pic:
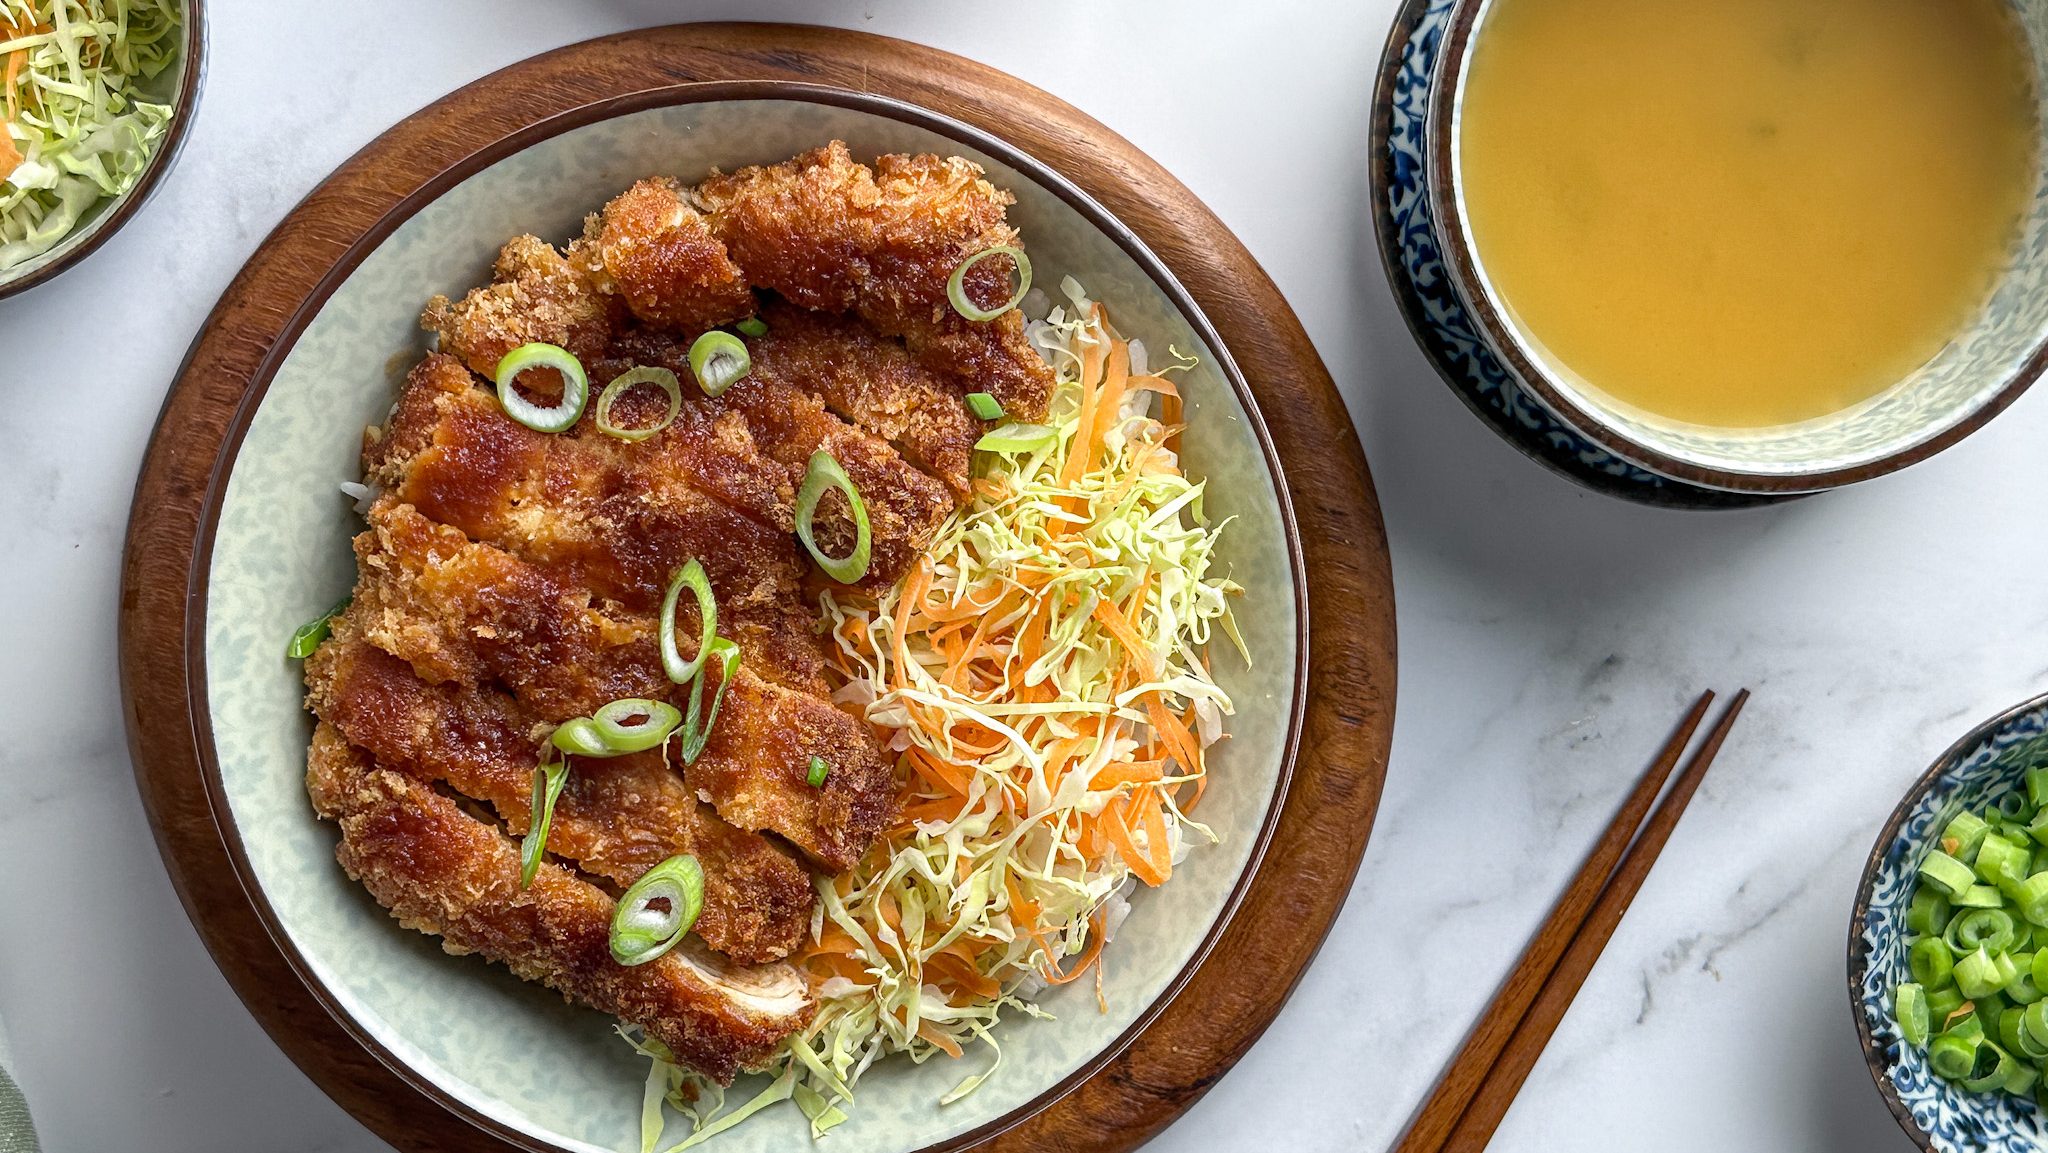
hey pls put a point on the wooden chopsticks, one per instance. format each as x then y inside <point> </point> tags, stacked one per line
<point>1482,1080</point>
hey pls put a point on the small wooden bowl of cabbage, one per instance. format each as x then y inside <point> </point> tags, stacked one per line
<point>95,97</point>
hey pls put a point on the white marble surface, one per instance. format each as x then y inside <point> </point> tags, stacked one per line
<point>1548,637</point>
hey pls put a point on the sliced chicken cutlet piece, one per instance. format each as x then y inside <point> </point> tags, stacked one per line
<point>787,424</point>
<point>656,252</point>
<point>537,295</point>
<point>832,235</point>
<point>445,873</point>
<point>870,380</point>
<point>617,817</point>
<point>475,614</point>
<point>618,517</point>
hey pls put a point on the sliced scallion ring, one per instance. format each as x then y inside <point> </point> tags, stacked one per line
<point>548,780</point>
<point>1909,1009</point>
<point>575,387</point>
<point>956,284</point>
<point>641,931</point>
<point>753,326</point>
<point>646,374</point>
<point>690,576</point>
<point>697,726</point>
<point>313,632</point>
<point>824,472</point>
<point>1025,438</point>
<point>633,725</point>
<point>717,360</point>
<point>819,770</point>
<point>985,406</point>
<point>580,737</point>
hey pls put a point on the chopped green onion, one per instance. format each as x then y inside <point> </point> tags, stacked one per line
<point>659,377</point>
<point>2021,989</point>
<point>2032,898</point>
<point>1017,438</point>
<point>1909,1009</point>
<point>697,725</point>
<point>1929,913</point>
<point>2022,1080</point>
<point>956,284</point>
<point>1974,929</point>
<point>1980,897</point>
<point>985,406</point>
<point>311,633</point>
<point>2034,1022</point>
<point>2001,862</point>
<point>1951,1056</point>
<point>1964,833</point>
<point>718,360</point>
<point>2037,786</point>
<point>1994,1066</point>
<point>819,770</point>
<point>690,576</point>
<point>1943,1005</point>
<point>548,780</point>
<point>1932,963</point>
<point>618,727</point>
<point>824,472</point>
<point>575,387</point>
<point>753,326</point>
<point>1947,874</point>
<point>1977,975</point>
<point>580,737</point>
<point>642,932</point>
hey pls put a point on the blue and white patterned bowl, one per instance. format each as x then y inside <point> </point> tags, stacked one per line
<point>1939,1115</point>
<point>1973,377</point>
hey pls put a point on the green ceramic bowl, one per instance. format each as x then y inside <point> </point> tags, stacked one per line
<point>512,1057</point>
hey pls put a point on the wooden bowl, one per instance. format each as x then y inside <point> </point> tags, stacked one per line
<point>235,525</point>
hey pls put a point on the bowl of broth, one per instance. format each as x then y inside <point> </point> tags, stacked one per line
<point>1766,246</point>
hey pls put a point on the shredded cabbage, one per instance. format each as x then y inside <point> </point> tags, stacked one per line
<point>1043,677</point>
<point>75,128</point>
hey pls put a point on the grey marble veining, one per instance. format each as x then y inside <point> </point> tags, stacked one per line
<point>1548,637</point>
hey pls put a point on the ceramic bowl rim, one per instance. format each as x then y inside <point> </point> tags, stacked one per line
<point>1951,758</point>
<point>184,108</point>
<point>673,95</point>
<point>1462,267</point>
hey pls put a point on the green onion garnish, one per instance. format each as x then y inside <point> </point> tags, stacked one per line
<point>634,725</point>
<point>690,576</point>
<point>820,769</point>
<point>697,725</point>
<point>1975,929</point>
<point>956,284</point>
<point>580,737</point>
<point>753,326</point>
<point>1952,1056</point>
<point>659,377</point>
<point>548,780</point>
<point>313,632</point>
<point>1932,962</point>
<point>1909,1006</point>
<point>575,387</point>
<point>985,406</point>
<point>1949,876</point>
<point>1017,438</point>
<point>824,472</point>
<point>657,910</point>
<point>718,359</point>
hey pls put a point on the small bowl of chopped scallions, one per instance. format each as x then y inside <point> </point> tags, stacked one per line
<point>95,96</point>
<point>1948,945</point>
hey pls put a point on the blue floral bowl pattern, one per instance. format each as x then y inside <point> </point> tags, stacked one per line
<point>1939,1115</point>
<point>1429,302</point>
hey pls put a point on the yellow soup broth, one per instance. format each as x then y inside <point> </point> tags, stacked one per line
<point>1743,213</point>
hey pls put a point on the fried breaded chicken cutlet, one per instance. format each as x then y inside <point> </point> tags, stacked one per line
<point>830,234</point>
<point>512,580</point>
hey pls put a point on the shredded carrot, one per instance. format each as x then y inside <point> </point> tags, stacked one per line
<point>950,1047</point>
<point>1089,953</point>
